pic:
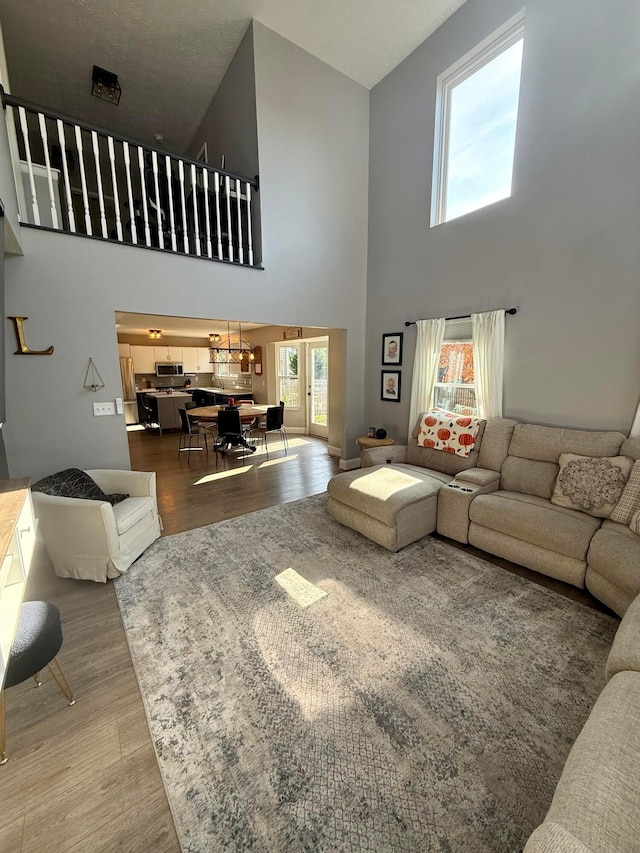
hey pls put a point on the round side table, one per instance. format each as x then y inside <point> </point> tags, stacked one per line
<point>365,442</point>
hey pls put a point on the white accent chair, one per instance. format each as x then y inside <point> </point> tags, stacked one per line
<point>93,540</point>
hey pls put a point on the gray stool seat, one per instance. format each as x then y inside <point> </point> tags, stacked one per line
<point>38,640</point>
<point>36,645</point>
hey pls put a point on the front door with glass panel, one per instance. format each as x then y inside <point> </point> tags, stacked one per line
<point>318,389</point>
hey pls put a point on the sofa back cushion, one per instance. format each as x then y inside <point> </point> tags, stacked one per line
<point>495,444</point>
<point>75,483</point>
<point>439,460</point>
<point>631,447</point>
<point>531,466</point>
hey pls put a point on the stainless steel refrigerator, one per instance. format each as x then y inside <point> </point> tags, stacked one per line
<point>128,390</point>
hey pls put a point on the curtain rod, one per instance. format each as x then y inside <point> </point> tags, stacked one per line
<point>462,316</point>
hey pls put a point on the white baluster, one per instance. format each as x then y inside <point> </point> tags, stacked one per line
<point>238,202</point>
<point>83,183</point>
<point>159,214</point>
<point>194,195</point>
<point>249,225</point>
<point>145,208</point>
<point>184,206</point>
<point>114,183</point>
<point>96,157</point>
<point>132,213</point>
<point>172,220</point>
<point>27,148</point>
<point>47,162</point>
<point>216,188</point>
<point>65,173</point>
<point>227,187</point>
<point>205,185</point>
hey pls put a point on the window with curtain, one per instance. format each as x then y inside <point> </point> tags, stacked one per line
<point>288,379</point>
<point>455,388</point>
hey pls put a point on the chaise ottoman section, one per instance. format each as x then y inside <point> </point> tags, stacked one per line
<point>391,505</point>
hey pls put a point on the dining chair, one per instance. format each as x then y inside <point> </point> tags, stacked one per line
<point>191,429</point>
<point>230,432</point>
<point>274,422</point>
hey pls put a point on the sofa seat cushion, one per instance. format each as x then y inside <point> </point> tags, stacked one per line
<point>436,475</point>
<point>382,491</point>
<point>535,520</point>
<point>130,511</point>
<point>552,837</point>
<point>614,553</point>
<point>598,797</point>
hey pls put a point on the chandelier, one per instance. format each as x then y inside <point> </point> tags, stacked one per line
<point>224,353</point>
<point>154,334</point>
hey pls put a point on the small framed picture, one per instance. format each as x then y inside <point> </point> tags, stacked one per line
<point>390,385</point>
<point>257,368</point>
<point>392,348</point>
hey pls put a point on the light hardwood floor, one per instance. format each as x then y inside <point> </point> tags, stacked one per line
<point>85,779</point>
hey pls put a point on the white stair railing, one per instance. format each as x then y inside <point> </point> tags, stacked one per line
<point>83,180</point>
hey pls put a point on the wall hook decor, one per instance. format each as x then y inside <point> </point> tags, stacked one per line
<point>23,349</point>
<point>92,379</point>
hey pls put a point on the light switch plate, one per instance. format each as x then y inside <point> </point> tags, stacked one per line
<point>119,406</point>
<point>104,409</point>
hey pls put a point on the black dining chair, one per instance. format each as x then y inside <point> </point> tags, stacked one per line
<point>191,429</point>
<point>274,422</point>
<point>231,434</point>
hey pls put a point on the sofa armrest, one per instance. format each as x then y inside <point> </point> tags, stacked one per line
<point>74,525</point>
<point>625,651</point>
<point>454,500</point>
<point>137,484</point>
<point>552,837</point>
<point>479,477</point>
<point>379,455</point>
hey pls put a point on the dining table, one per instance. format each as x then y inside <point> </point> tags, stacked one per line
<point>210,413</point>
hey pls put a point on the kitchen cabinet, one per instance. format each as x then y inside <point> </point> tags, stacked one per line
<point>168,353</point>
<point>124,350</point>
<point>196,360</point>
<point>144,359</point>
<point>17,540</point>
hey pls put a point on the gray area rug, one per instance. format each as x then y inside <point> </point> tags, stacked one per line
<point>427,703</point>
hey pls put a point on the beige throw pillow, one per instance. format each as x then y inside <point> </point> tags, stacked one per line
<point>592,484</point>
<point>629,503</point>
<point>634,524</point>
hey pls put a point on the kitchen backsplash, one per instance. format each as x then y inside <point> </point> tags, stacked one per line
<point>198,380</point>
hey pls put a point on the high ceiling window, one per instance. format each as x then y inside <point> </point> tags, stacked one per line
<point>477,112</point>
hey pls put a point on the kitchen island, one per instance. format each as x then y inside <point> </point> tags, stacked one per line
<point>163,406</point>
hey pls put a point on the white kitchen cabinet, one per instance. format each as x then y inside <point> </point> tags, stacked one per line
<point>190,360</point>
<point>124,350</point>
<point>168,354</point>
<point>205,365</point>
<point>144,359</point>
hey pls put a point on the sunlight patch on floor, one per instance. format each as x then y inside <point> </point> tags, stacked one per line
<point>302,591</point>
<point>268,462</point>
<point>135,428</point>
<point>221,475</point>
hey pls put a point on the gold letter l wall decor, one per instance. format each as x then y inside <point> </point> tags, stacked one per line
<point>23,349</point>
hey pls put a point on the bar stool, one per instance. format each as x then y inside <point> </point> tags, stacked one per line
<point>38,640</point>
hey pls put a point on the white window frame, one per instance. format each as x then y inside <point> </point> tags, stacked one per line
<point>491,47</point>
<point>279,376</point>
<point>456,332</point>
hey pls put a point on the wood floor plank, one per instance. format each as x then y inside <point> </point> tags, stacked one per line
<point>11,836</point>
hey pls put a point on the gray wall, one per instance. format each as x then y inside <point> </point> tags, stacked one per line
<point>564,248</point>
<point>313,126</point>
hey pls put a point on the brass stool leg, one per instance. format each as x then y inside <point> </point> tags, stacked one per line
<point>3,754</point>
<point>36,678</point>
<point>61,681</point>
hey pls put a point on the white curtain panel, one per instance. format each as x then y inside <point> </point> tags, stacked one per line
<point>425,367</point>
<point>635,426</point>
<point>488,361</point>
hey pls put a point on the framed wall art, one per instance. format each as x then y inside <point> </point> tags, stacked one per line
<point>390,385</point>
<point>392,348</point>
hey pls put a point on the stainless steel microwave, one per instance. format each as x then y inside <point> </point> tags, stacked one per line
<point>174,368</point>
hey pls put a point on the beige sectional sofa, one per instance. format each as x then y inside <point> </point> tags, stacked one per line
<point>499,499</point>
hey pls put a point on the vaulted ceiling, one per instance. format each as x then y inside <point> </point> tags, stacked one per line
<point>170,56</point>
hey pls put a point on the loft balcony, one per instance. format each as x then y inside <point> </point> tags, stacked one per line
<point>81,179</point>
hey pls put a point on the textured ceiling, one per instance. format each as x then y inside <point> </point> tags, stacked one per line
<point>171,56</point>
